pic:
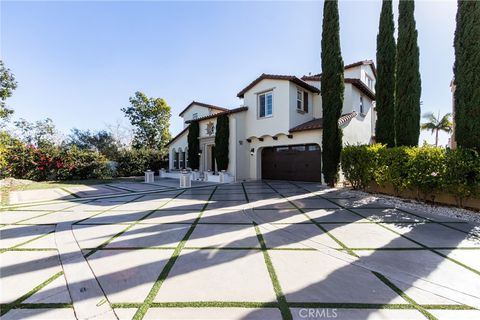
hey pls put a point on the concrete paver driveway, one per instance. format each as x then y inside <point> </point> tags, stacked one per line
<point>254,250</point>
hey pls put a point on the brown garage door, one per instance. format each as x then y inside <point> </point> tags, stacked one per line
<point>298,162</point>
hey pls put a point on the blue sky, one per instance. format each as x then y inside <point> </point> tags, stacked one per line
<point>78,62</point>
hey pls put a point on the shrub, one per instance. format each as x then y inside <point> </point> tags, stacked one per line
<point>136,161</point>
<point>23,161</point>
<point>462,174</point>
<point>358,164</point>
<point>424,170</point>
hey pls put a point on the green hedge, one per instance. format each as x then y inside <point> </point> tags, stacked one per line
<point>423,170</point>
<point>136,161</point>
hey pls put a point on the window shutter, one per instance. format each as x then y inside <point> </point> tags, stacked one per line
<point>305,101</point>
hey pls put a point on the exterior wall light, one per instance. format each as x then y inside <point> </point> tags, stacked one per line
<point>199,152</point>
<point>252,151</point>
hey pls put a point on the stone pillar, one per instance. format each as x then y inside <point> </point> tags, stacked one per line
<point>222,176</point>
<point>149,174</point>
<point>195,175</point>
<point>185,179</point>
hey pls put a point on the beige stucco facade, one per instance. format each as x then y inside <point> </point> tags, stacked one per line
<point>251,133</point>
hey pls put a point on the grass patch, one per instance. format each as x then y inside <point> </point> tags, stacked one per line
<point>68,183</point>
<point>7,307</point>
<point>166,270</point>
<point>405,297</point>
<point>282,301</point>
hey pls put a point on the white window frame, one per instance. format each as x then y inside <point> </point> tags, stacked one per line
<point>259,95</point>
<point>302,103</point>
<point>195,116</point>
<point>362,106</point>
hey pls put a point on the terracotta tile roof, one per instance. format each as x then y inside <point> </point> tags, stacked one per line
<point>236,110</point>
<point>293,79</point>
<point>316,77</point>
<point>176,137</point>
<point>201,104</point>
<point>316,124</point>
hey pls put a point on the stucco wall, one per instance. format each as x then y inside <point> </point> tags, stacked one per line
<point>180,143</point>
<point>279,121</point>
<point>297,117</point>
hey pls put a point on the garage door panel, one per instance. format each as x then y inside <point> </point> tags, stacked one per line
<point>298,162</point>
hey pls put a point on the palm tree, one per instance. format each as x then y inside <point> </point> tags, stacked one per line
<point>435,124</point>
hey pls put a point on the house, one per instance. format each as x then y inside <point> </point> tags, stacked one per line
<point>277,131</point>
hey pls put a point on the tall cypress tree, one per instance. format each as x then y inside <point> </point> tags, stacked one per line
<point>222,135</point>
<point>467,75</point>
<point>385,84</point>
<point>408,86</point>
<point>193,145</point>
<point>332,88</point>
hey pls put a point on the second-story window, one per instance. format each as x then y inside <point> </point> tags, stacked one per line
<point>195,116</point>
<point>299,99</point>
<point>369,81</point>
<point>265,104</point>
<point>302,100</point>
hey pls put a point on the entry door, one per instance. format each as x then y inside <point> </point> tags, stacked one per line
<point>297,163</point>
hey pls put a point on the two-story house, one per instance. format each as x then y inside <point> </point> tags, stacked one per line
<point>277,132</point>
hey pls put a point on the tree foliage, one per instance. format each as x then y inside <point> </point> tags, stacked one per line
<point>39,133</point>
<point>385,82</point>
<point>332,88</point>
<point>151,120</point>
<point>408,84</point>
<point>101,141</point>
<point>193,145</point>
<point>222,136</point>
<point>437,124</point>
<point>467,71</point>
<point>7,85</point>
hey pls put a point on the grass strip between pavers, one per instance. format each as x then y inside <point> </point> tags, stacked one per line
<point>247,304</point>
<point>7,307</point>
<point>41,306</point>
<point>282,301</point>
<point>26,242</point>
<point>96,213</point>
<point>405,297</point>
<point>340,243</point>
<point>399,234</point>
<point>168,266</point>
<point>131,225</point>
<point>49,212</point>
<point>382,278</point>
<point>433,221</point>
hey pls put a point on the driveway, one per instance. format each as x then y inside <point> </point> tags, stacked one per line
<point>254,250</point>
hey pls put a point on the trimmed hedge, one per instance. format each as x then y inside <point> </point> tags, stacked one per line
<point>423,170</point>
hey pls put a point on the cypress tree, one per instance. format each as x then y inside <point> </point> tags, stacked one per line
<point>332,88</point>
<point>467,75</point>
<point>408,84</point>
<point>222,136</point>
<point>385,84</point>
<point>193,145</point>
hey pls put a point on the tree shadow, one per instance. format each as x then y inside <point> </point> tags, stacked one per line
<point>342,280</point>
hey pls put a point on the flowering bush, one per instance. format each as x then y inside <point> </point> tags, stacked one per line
<point>19,160</point>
